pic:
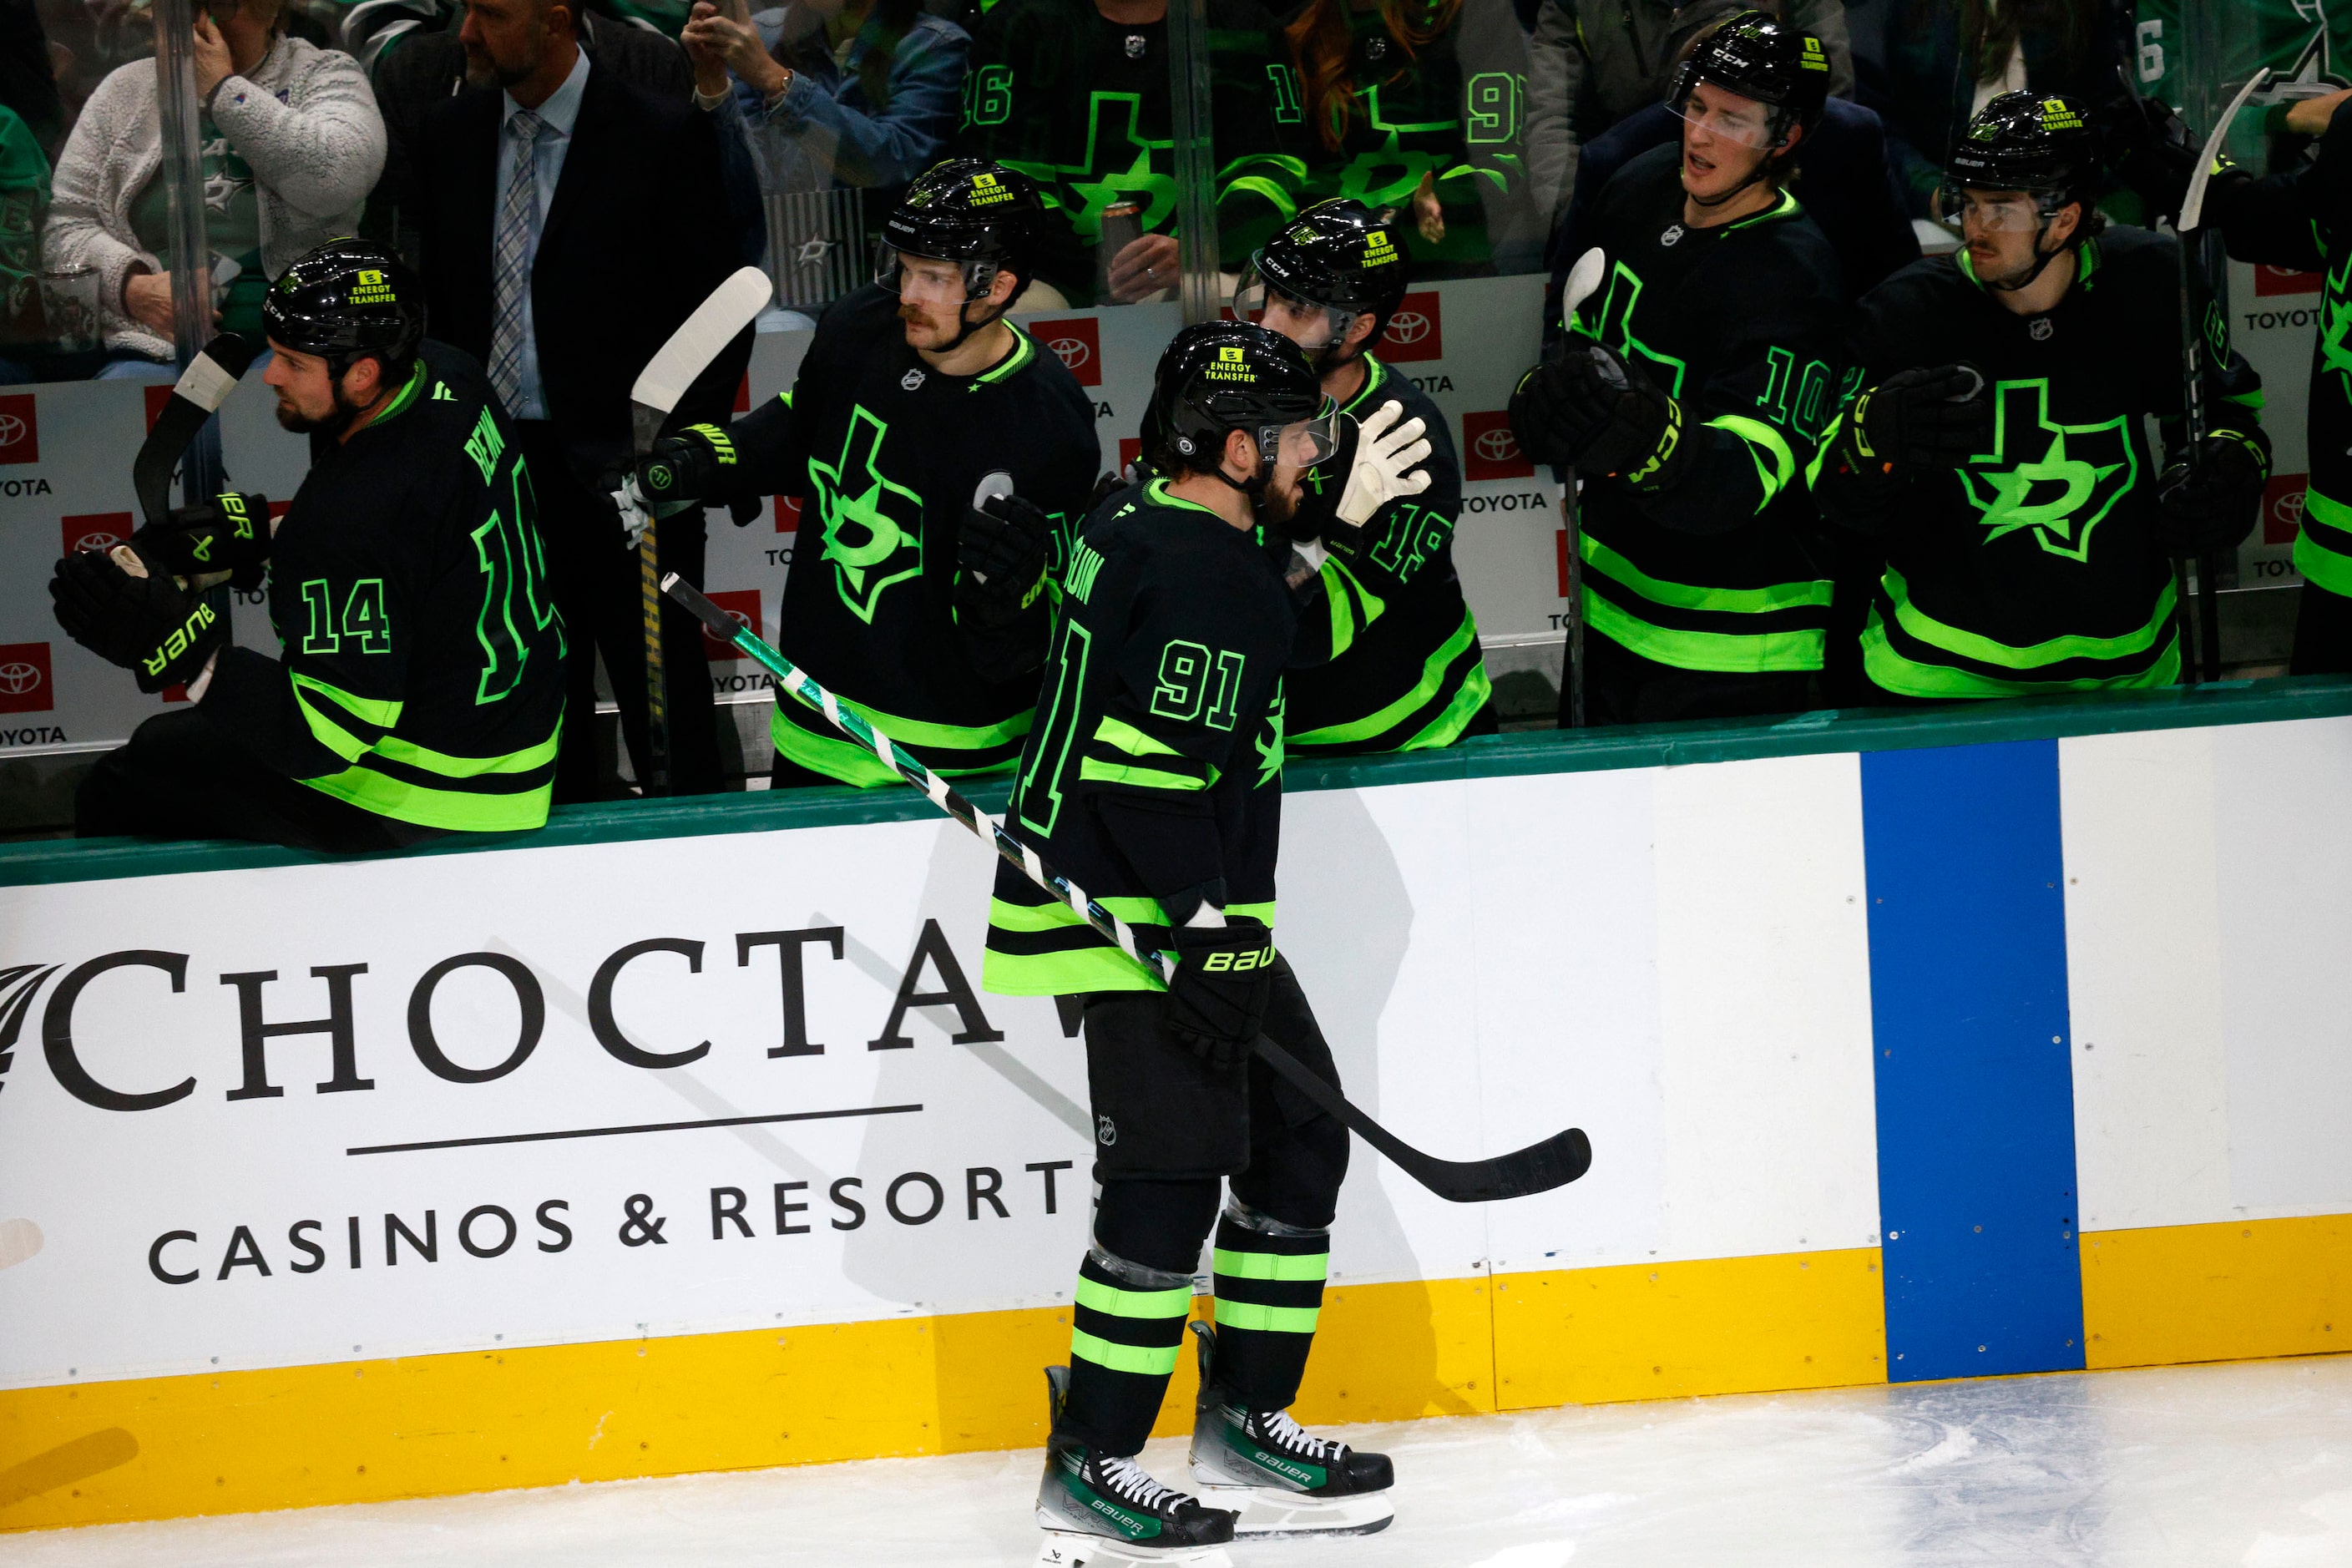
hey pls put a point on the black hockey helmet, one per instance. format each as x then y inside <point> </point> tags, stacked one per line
<point>345,300</point>
<point>2027,141</point>
<point>1760,57</point>
<point>968,210</point>
<point>1217,377</point>
<point>1338,254</point>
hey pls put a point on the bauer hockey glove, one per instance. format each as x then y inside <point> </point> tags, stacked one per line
<point>226,538</point>
<point>143,622</point>
<point>1001,559</point>
<point>2211,506</point>
<point>1218,993</point>
<point>1586,407</point>
<point>678,473</point>
<point>1389,448</point>
<point>1926,417</point>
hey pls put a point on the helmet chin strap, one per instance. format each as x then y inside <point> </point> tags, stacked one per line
<point>2041,260</point>
<point>1763,167</point>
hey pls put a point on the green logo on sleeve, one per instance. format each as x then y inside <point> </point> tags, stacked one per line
<point>873,525</point>
<point>1615,329</point>
<point>2058,480</point>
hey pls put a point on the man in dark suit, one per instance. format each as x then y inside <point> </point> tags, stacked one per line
<point>569,221</point>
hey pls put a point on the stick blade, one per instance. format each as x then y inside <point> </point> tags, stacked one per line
<point>1539,1168</point>
<point>1583,279</point>
<point>2192,206</point>
<point>690,349</point>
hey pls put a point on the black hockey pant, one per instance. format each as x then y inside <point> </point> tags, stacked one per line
<point>2322,633</point>
<point>179,777</point>
<point>1169,1130</point>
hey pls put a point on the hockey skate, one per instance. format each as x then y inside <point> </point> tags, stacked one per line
<point>1279,1480</point>
<point>1105,1512</point>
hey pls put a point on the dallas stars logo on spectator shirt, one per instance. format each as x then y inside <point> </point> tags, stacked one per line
<point>869,546</point>
<point>2057,480</point>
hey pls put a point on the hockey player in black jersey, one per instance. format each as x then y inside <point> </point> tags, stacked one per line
<point>1411,674</point>
<point>1153,779</point>
<point>1689,394</point>
<point>915,389</point>
<point>420,687</point>
<point>1999,447</point>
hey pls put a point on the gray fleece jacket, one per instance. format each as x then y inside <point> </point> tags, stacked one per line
<point>1594,62</point>
<point>304,120</point>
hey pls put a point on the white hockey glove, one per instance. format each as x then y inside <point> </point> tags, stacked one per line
<point>1386,452</point>
<point>633,516</point>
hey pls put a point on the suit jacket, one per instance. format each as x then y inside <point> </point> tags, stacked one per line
<point>638,235</point>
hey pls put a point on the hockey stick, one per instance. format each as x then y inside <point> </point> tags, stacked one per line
<point>2197,301</point>
<point>1538,1168</point>
<point>196,396</point>
<point>674,367</point>
<point>1583,279</point>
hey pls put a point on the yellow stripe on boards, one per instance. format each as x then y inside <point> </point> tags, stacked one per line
<point>2231,1291</point>
<point>1660,1330</point>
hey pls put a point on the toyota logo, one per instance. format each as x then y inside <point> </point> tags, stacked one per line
<point>1497,444</point>
<point>739,619</point>
<point>2288,508</point>
<point>18,678</point>
<point>96,542</point>
<point>12,429</point>
<point>1404,327</point>
<point>1072,352</point>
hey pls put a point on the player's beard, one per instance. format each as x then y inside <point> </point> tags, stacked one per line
<point>334,423</point>
<point>1274,506</point>
<point>913,315</point>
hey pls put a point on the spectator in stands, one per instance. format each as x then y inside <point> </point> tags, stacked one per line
<point>1074,94</point>
<point>860,94</point>
<point>291,142</point>
<point>23,196</point>
<point>1415,105</point>
<point>570,222</point>
<point>1597,61</point>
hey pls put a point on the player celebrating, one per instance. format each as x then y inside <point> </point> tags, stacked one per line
<point>1999,450</point>
<point>1153,779</point>
<point>1689,393</point>
<point>421,686</point>
<point>915,389</point>
<point>1414,675</point>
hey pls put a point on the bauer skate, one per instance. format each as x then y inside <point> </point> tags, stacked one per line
<point>1108,1512</point>
<point>1279,1480</point>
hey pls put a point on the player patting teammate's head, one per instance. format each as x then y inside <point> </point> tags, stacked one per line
<point>1749,92</point>
<point>345,321</point>
<point>958,249</point>
<point>2021,186</point>
<point>1243,404</point>
<point>1328,281</point>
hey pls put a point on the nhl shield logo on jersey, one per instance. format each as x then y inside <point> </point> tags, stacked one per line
<point>2057,480</point>
<point>873,525</point>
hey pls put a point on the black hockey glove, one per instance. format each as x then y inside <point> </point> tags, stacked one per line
<point>229,534</point>
<point>1001,559</point>
<point>149,625</point>
<point>679,472</point>
<point>1217,996</point>
<point>2214,506</point>
<point>1926,417</point>
<point>2153,151</point>
<point>1586,407</point>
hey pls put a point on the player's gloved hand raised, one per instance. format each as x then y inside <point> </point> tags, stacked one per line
<point>1217,995</point>
<point>2212,505</point>
<point>1930,418</point>
<point>1390,449</point>
<point>227,536</point>
<point>1001,558</point>
<point>677,472</point>
<point>2151,149</point>
<point>143,622</point>
<point>1585,406</point>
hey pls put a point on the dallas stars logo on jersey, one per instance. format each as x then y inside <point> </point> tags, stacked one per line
<point>873,525</point>
<point>1614,329</point>
<point>2059,482</point>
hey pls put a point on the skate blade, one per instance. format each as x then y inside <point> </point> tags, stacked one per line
<point>1068,1549</point>
<point>1263,1512</point>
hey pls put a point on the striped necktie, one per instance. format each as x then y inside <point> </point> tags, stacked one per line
<point>510,264</point>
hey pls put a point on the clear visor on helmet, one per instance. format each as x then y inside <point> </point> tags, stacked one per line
<point>1725,113</point>
<point>1311,326</point>
<point>1994,212</point>
<point>1303,443</point>
<point>930,278</point>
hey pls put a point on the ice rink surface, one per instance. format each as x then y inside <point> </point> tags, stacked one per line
<point>2245,1463</point>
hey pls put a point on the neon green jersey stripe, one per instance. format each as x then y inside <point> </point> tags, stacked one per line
<point>1984,650</point>
<point>921,732</point>
<point>393,748</point>
<point>2318,563</point>
<point>1118,732</point>
<point>1447,727</point>
<point>1763,441</point>
<point>1053,916</point>
<point>1262,913</point>
<point>326,731</point>
<point>1905,676</point>
<point>837,757</point>
<point>1093,771</point>
<point>1115,1302</point>
<point>1273,1265</point>
<point>381,712</point>
<point>1684,597</point>
<point>457,810</point>
<point>1146,1361</point>
<point>1723,652</point>
<point>1432,679</point>
<point>1266,1319</point>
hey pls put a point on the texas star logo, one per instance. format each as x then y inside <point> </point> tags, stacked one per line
<point>2058,482</point>
<point>873,525</point>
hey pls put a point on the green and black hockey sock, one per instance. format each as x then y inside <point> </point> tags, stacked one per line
<point>1269,1292</point>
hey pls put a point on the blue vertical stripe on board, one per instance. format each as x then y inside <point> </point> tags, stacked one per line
<point>1976,1102</point>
